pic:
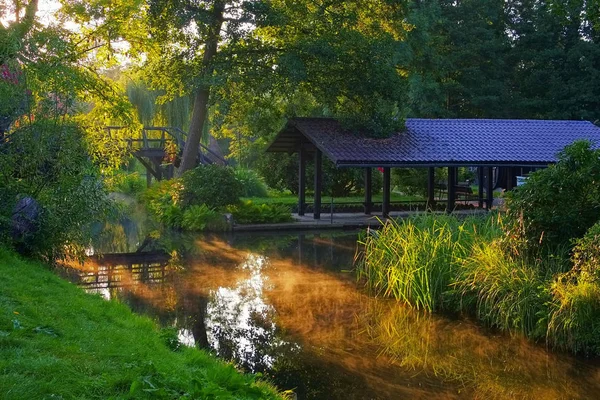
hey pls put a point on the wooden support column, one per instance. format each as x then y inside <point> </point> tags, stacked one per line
<point>451,189</point>
<point>490,188</point>
<point>480,180</point>
<point>385,207</point>
<point>509,178</point>
<point>302,181</point>
<point>368,190</point>
<point>431,188</point>
<point>318,183</point>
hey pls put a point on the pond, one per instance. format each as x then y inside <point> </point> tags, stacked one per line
<point>288,306</point>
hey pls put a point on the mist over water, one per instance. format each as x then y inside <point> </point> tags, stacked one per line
<point>289,307</point>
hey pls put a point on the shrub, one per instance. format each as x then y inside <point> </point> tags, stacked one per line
<point>132,184</point>
<point>198,218</point>
<point>50,163</point>
<point>559,203</point>
<point>250,213</point>
<point>163,201</point>
<point>253,185</point>
<point>212,185</point>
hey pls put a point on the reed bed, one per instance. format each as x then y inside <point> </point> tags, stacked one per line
<point>442,263</point>
<point>416,260</point>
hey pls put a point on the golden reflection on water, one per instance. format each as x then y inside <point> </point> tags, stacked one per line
<point>272,314</point>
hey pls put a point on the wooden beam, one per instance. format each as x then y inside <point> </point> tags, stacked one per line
<point>148,167</point>
<point>368,190</point>
<point>318,183</point>
<point>431,188</point>
<point>385,208</point>
<point>302,182</point>
<point>451,189</point>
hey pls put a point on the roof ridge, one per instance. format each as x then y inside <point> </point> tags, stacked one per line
<point>500,120</point>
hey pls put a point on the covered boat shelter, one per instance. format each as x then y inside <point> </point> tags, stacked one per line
<point>512,145</point>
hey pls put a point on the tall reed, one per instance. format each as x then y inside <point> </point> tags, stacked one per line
<point>415,260</point>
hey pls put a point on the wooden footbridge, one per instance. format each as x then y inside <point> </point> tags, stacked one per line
<point>159,150</point>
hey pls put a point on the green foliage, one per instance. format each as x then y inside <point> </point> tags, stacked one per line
<point>131,184</point>
<point>249,213</point>
<point>49,162</point>
<point>417,259</point>
<point>199,218</point>
<point>213,185</point>
<point>504,292</point>
<point>49,328</point>
<point>574,323</point>
<point>163,201</point>
<point>559,203</point>
<point>252,183</point>
<point>441,263</point>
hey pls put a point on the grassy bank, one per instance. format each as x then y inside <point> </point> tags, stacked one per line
<point>444,264</point>
<point>58,342</point>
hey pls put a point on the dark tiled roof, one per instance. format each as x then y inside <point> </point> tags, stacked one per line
<point>440,141</point>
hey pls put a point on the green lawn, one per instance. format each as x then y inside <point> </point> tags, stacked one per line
<point>290,199</point>
<point>57,342</point>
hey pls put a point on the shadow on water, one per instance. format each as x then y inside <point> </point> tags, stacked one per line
<point>288,306</point>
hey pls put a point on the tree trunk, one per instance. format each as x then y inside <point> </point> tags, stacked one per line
<point>202,95</point>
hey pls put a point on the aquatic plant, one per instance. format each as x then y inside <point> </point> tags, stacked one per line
<point>417,259</point>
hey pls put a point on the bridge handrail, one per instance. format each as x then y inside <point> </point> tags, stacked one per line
<point>180,137</point>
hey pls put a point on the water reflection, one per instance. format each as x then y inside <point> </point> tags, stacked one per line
<point>289,306</point>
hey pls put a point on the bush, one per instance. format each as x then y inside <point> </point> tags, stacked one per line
<point>253,185</point>
<point>559,203</point>
<point>213,185</point>
<point>163,201</point>
<point>132,184</point>
<point>198,218</point>
<point>250,213</point>
<point>49,162</point>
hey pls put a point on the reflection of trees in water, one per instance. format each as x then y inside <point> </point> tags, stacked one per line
<point>240,325</point>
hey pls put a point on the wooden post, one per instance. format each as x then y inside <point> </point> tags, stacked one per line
<point>480,179</point>
<point>509,178</point>
<point>158,167</point>
<point>451,189</point>
<point>431,188</point>
<point>368,190</point>
<point>385,207</point>
<point>490,188</point>
<point>318,183</point>
<point>302,181</point>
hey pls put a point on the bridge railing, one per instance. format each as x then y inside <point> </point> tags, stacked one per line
<point>148,141</point>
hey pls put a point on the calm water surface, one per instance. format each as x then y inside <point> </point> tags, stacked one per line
<point>289,307</point>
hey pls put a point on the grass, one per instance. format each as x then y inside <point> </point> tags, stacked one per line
<point>441,263</point>
<point>58,342</point>
<point>416,260</point>
<point>290,199</point>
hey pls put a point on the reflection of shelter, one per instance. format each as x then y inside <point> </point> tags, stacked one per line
<point>513,147</point>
